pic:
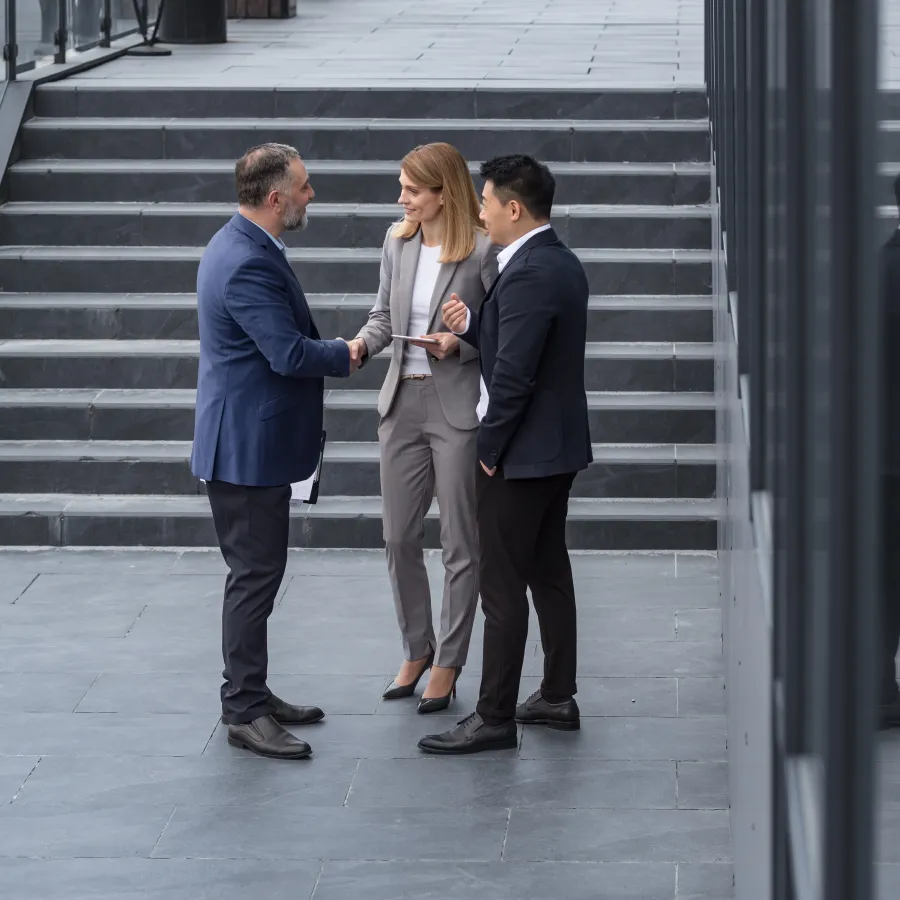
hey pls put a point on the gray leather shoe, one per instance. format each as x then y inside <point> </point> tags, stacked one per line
<point>265,737</point>
<point>537,711</point>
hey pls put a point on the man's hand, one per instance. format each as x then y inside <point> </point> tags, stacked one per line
<point>488,471</point>
<point>358,350</point>
<point>449,344</point>
<point>455,313</point>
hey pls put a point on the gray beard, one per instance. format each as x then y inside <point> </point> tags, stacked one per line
<point>293,223</point>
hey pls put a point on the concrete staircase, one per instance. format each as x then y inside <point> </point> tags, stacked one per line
<point>116,191</point>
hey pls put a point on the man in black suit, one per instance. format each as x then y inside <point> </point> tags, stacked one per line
<point>532,440</point>
<point>890,625</point>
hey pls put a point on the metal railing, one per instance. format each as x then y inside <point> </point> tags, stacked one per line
<point>58,30</point>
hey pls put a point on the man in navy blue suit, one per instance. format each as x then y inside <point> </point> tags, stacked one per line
<point>258,426</point>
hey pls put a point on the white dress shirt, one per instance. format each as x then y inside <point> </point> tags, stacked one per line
<point>415,359</point>
<point>503,257</point>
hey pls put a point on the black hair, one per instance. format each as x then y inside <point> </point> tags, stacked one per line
<point>522,178</point>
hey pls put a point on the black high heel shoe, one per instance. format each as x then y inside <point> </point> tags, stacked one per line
<point>438,704</point>
<point>399,691</point>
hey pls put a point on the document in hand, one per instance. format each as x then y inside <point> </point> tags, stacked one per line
<point>307,491</point>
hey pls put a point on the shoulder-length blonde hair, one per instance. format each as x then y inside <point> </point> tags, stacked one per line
<point>441,167</point>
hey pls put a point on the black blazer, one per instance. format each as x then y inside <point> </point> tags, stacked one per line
<point>531,334</point>
<point>890,287</point>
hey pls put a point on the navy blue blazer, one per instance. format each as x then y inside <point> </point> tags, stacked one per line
<point>531,332</point>
<point>262,365</point>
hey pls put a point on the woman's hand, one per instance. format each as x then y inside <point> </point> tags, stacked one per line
<point>447,346</point>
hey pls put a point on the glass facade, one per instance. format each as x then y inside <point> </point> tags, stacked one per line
<point>794,108</point>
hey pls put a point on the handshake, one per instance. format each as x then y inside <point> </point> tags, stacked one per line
<point>455,314</point>
<point>358,352</point>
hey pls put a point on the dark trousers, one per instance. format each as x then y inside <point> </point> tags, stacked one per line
<point>252,527</point>
<point>890,607</point>
<point>522,535</point>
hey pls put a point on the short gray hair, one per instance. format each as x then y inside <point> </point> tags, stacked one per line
<point>261,170</point>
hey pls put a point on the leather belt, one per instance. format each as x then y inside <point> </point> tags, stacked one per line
<point>414,377</point>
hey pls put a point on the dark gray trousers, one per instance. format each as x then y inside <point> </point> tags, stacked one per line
<point>252,527</point>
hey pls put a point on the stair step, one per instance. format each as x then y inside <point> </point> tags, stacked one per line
<point>643,366</point>
<point>332,224</point>
<point>351,469</point>
<point>565,140</point>
<point>350,415</point>
<point>352,522</point>
<point>342,180</point>
<point>143,316</point>
<point>117,99</point>
<point>321,270</point>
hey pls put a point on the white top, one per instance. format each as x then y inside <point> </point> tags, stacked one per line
<point>415,359</point>
<point>503,258</point>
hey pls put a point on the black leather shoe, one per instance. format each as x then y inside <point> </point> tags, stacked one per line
<point>265,737</point>
<point>537,711</point>
<point>399,691</point>
<point>471,735</point>
<point>438,704</point>
<point>285,714</point>
<point>889,715</point>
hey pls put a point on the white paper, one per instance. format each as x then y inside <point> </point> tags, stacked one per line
<point>407,337</point>
<point>302,490</point>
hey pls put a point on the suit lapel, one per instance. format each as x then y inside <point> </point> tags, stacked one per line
<point>409,260</point>
<point>445,276</point>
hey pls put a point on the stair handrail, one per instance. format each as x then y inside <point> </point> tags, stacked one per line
<point>148,30</point>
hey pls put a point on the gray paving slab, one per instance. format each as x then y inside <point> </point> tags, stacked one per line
<point>702,785</point>
<point>16,585</point>
<point>43,692</point>
<point>631,738</point>
<point>110,666</point>
<point>236,782</point>
<point>705,881</point>
<point>282,830</point>
<point>701,696</point>
<point>412,42</point>
<point>89,734</point>
<point>619,696</point>
<point>545,784</point>
<point>592,835</point>
<point>14,770</point>
<point>152,879</point>
<point>499,881</point>
<point>47,830</point>
<point>644,658</point>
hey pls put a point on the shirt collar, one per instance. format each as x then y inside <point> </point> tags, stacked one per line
<point>276,241</point>
<point>507,253</point>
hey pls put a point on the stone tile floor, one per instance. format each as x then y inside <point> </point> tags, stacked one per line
<point>582,43</point>
<point>116,779</point>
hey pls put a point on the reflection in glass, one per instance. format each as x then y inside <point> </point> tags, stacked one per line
<point>84,23</point>
<point>3,42</point>
<point>887,790</point>
<point>36,25</point>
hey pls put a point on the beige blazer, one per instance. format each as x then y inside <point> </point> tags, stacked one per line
<point>457,378</point>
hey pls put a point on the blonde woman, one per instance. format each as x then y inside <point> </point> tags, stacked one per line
<point>428,411</point>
